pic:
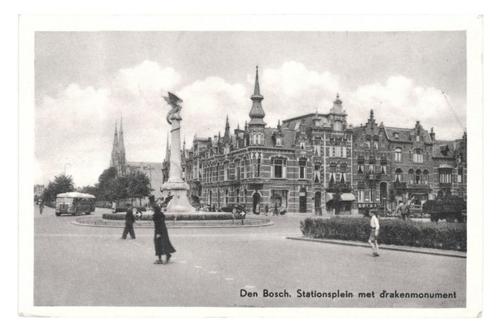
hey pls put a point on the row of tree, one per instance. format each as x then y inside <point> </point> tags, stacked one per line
<point>110,186</point>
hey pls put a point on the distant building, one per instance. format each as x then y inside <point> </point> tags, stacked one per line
<point>317,162</point>
<point>118,160</point>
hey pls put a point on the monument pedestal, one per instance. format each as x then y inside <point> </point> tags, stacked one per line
<point>180,201</point>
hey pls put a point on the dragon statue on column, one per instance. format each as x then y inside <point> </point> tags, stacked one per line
<point>175,103</point>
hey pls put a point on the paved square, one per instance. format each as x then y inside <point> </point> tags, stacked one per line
<point>92,266</point>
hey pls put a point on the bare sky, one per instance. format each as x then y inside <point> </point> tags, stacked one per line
<point>86,80</point>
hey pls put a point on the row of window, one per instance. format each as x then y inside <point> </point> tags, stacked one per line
<point>332,151</point>
<point>240,197</point>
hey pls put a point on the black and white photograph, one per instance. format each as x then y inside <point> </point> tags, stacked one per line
<point>250,168</point>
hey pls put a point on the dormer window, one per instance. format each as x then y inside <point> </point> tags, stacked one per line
<point>396,135</point>
<point>417,138</point>
<point>278,141</point>
<point>302,145</point>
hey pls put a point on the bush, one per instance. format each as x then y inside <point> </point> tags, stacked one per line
<point>408,233</point>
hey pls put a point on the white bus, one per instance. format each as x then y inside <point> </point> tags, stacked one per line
<point>74,203</point>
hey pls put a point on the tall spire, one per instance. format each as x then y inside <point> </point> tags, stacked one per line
<point>256,84</point>
<point>115,147</point>
<point>227,128</point>
<point>121,146</point>
<point>257,113</point>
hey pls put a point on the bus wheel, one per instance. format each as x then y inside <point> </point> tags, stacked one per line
<point>57,214</point>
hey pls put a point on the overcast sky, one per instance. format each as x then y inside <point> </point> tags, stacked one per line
<point>86,81</point>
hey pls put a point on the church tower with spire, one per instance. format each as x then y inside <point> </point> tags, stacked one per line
<point>115,148</point>
<point>118,155</point>
<point>122,150</point>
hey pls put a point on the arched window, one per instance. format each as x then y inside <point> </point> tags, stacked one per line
<point>425,177</point>
<point>397,155</point>
<point>411,176</point>
<point>398,175</point>
<point>418,176</point>
<point>316,173</point>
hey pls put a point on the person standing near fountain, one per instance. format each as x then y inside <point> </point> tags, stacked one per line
<point>162,244</point>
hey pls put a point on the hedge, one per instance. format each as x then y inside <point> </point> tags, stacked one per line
<point>450,236</point>
<point>180,216</point>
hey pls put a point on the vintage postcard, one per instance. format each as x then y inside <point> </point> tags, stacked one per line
<point>250,165</point>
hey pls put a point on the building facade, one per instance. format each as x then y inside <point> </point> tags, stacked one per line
<point>319,163</point>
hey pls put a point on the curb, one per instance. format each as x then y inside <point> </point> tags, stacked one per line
<point>427,251</point>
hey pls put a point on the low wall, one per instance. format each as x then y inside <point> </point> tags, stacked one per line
<point>94,221</point>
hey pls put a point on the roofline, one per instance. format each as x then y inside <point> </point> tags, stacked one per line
<point>303,116</point>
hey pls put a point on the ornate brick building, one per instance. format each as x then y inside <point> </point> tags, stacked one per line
<point>317,162</point>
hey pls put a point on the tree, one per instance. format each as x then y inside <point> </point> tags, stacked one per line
<point>105,185</point>
<point>138,185</point>
<point>92,190</point>
<point>112,187</point>
<point>61,184</point>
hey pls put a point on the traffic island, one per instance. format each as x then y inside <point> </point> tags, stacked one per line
<point>177,220</point>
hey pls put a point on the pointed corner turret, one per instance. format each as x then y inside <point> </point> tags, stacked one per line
<point>257,113</point>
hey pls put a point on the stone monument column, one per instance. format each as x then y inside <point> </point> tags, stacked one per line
<point>175,186</point>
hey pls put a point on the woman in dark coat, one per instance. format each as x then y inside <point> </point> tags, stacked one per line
<point>162,244</point>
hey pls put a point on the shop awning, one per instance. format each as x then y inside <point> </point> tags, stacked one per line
<point>347,197</point>
<point>445,166</point>
<point>344,197</point>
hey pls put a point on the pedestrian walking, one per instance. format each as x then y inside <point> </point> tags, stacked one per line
<point>162,244</point>
<point>41,206</point>
<point>129,220</point>
<point>374,232</point>
<point>266,209</point>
